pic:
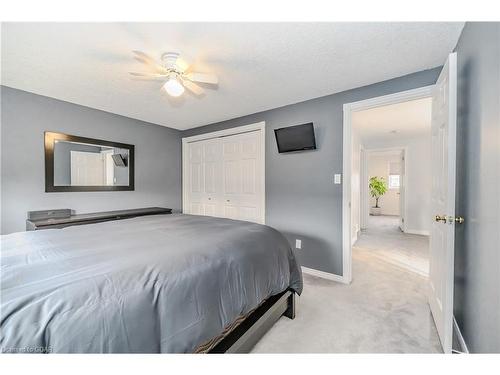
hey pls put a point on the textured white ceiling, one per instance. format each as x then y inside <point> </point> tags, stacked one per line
<point>260,65</point>
<point>408,119</point>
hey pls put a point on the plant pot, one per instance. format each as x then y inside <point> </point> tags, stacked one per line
<point>375,211</point>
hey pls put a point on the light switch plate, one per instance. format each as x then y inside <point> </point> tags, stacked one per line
<point>298,244</point>
<point>337,178</point>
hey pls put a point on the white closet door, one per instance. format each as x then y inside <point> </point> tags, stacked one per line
<point>195,188</point>
<point>225,177</point>
<point>242,177</point>
<point>212,181</point>
<point>205,177</point>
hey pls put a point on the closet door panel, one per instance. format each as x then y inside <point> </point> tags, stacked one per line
<point>232,177</point>
<point>248,176</point>
<point>231,211</point>
<point>211,176</point>
<point>195,184</point>
<point>248,213</point>
<point>196,178</point>
<point>212,162</point>
<point>196,209</point>
<point>242,198</point>
<point>204,184</point>
<point>225,177</point>
<point>211,210</point>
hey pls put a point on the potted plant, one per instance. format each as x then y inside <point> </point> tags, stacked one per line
<point>378,187</point>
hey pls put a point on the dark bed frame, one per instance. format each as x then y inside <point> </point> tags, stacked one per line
<point>244,337</point>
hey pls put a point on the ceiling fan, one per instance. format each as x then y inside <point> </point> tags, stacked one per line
<point>175,71</point>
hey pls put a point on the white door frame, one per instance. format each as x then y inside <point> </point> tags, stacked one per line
<point>225,133</point>
<point>399,97</point>
<point>366,208</point>
<point>364,201</point>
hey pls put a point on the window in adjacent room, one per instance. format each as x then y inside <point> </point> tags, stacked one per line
<point>393,181</point>
<point>394,175</point>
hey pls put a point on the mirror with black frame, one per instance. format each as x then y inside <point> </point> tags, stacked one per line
<point>74,163</point>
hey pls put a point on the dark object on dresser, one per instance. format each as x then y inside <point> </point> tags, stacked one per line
<point>51,219</point>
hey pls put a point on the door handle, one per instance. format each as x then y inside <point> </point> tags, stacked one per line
<point>449,219</point>
<point>439,218</point>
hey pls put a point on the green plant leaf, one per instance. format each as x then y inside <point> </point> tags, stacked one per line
<point>378,187</point>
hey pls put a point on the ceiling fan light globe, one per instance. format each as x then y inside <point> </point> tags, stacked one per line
<point>173,87</point>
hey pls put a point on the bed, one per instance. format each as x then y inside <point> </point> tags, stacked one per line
<point>154,284</point>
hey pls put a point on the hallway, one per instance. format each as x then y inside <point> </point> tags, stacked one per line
<point>383,310</point>
<point>385,240</point>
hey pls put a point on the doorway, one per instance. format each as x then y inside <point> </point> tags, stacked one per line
<point>355,213</point>
<point>393,142</point>
<point>443,171</point>
<point>390,189</point>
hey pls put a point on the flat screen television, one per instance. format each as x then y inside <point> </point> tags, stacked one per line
<point>120,160</point>
<point>295,138</point>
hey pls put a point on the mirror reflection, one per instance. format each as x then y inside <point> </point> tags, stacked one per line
<point>83,164</point>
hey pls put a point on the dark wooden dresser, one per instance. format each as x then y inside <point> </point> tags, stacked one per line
<point>50,219</point>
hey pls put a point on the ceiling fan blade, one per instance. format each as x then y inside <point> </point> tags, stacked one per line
<point>182,64</point>
<point>148,60</point>
<point>203,78</point>
<point>144,56</point>
<point>193,87</point>
<point>147,76</point>
<point>150,75</point>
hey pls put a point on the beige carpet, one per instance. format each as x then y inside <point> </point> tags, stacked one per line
<point>384,310</point>
<point>386,241</point>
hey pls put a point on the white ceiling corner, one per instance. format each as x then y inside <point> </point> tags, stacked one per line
<point>260,65</point>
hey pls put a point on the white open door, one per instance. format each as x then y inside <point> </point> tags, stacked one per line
<point>444,111</point>
<point>87,168</point>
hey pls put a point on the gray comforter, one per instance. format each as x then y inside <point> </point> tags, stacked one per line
<point>152,284</point>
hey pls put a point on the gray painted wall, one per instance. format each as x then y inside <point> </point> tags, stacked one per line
<point>26,116</point>
<point>477,242</point>
<point>301,199</point>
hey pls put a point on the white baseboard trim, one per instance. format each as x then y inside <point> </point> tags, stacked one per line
<point>419,232</point>
<point>460,338</point>
<point>324,275</point>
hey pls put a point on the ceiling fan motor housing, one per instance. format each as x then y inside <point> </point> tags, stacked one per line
<point>169,59</point>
